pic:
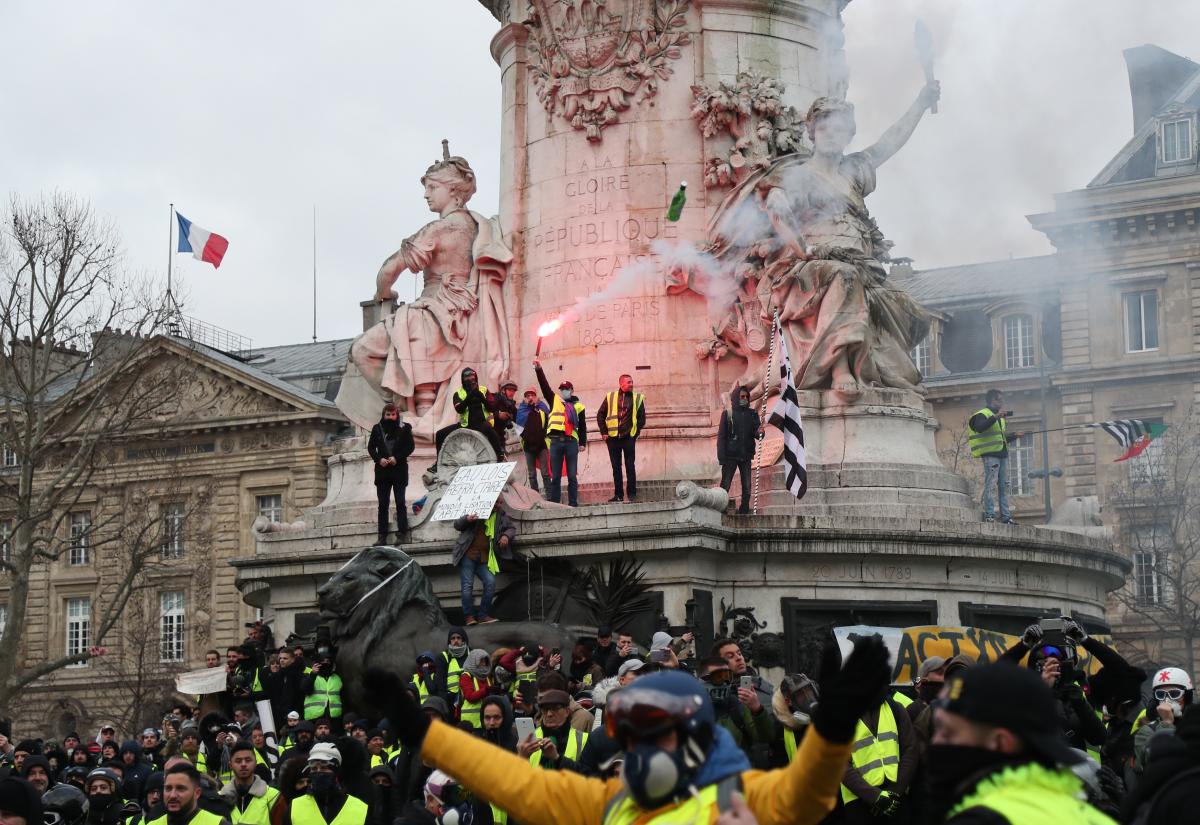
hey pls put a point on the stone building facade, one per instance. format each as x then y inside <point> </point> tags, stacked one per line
<point>246,443</point>
<point>1106,328</point>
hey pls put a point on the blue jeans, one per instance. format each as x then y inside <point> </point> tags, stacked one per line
<point>995,474</point>
<point>467,571</point>
<point>560,449</point>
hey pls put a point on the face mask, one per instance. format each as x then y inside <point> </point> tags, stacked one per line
<point>565,395</point>
<point>928,691</point>
<point>100,801</point>
<point>801,717</point>
<point>951,765</point>
<point>743,402</point>
<point>321,783</point>
<point>653,776</point>
<point>529,658</point>
<point>1176,708</point>
<point>457,650</point>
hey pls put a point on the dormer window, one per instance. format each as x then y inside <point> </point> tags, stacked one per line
<point>1176,137</point>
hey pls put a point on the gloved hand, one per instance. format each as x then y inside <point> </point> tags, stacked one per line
<point>851,690</point>
<point>385,691</point>
<point>886,804</point>
<point>1074,631</point>
<point>1032,635</point>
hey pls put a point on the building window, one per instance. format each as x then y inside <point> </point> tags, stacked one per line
<point>171,626</point>
<point>79,627</point>
<point>8,457</point>
<point>1018,342</point>
<point>172,527</point>
<point>1150,564</point>
<point>81,526</point>
<point>6,529</point>
<point>920,356</point>
<point>1177,141</point>
<point>1020,462</point>
<point>3,619</point>
<point>1141,321</point>
<point>1150,466</point>
<point>271,507</point>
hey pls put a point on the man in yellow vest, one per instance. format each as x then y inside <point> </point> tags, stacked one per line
<point>621,418</point>
<point>251,798</point>
<point>998,752</point>
<point>554,744</point>
<point>792,703</point>
<point>988,439</point>
<point>679,765</point>
<point>476,407</point>
<point>323,692</point>
<point>883,761</point>
<point>326,803</point>
<point>566,434</point>
<point>450,664</point>
<point>181,799</point>
<point>478,549</point>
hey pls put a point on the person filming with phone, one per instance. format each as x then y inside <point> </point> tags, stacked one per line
<point>988,439</point>
<point>554,744</point>
<point>738,709</point>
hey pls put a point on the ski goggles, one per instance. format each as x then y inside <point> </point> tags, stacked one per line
<point>646,714</point>
<point>1168,694</point>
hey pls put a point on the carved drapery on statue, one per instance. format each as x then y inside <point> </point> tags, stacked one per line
<point>415,355</point>
<point>795,236</point>
<point>592,58</point>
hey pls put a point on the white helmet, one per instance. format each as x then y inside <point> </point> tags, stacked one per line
<point>1172,676</point>
<point>325,752</point>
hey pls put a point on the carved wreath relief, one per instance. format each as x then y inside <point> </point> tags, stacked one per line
<point>593,58</point>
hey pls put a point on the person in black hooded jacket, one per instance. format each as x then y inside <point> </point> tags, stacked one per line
<point>475,406</point>
<point>740,428</point>
<point>390,445</point>
<point>502,735</point>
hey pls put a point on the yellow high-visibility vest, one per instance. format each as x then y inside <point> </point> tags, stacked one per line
<point>576,739</point>
<point>470,712</point>
<point>612,401</point>
<point>464,417</point>
<point>453,670</point>
<point>306,812</point>
<point>557,423</point>
<point>876,756</point>
<point>327,693</point>
<point>258,811</point>
<point>992,440</point>
<point>702,807</point>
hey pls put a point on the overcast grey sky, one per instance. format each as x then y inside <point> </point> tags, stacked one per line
<point>248,114</point>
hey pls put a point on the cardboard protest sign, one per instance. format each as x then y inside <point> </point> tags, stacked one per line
<point>473,491</point>
<point>909,646</point>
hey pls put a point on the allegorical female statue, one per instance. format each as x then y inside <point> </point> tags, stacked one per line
<point>798,237</point>
<point>415,355</point>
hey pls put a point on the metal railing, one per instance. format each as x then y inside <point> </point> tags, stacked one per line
<point>210,335</point>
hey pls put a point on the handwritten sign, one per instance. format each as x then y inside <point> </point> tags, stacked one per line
<point>909,646</point>
<point>473,491</point>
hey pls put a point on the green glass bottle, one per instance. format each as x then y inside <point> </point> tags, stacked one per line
<point>677,202</point>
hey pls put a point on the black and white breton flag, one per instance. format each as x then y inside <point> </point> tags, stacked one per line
<point>786,416</point>
<point>1126,430</point>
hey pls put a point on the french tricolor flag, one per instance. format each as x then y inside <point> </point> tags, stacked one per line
<point>204,245</point>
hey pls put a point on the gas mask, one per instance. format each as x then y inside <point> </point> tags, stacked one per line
<point>654,776</point>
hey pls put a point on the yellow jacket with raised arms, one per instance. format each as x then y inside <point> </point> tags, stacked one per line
<point>800,794</point>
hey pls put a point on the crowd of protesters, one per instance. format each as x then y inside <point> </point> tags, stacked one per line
<point>608,723</point>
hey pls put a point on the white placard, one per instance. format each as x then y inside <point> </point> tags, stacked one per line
<point>473,491</point>
<point>205,680</point>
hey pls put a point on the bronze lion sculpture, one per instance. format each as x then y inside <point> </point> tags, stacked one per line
<point>381,611</point>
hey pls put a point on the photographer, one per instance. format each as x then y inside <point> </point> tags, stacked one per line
<point>323,687</point>
<point>244,681</point>
<point>1051,646</point>
<point>989,439</point>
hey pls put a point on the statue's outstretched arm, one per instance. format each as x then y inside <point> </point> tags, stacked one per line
<point>899,132</point>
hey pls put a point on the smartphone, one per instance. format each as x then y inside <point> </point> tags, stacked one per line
<point>1052,625</point>
<point>524,727</point>
<point>554,651</point>
<point>746,682</point>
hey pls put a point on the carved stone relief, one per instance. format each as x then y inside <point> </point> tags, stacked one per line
<point>592,59</point>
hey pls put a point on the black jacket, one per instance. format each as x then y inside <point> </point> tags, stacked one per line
<point>398,445</point>
<point>736,437</point>
<point>981,421</point>
<point>581,423</point>
<point>286,687</point>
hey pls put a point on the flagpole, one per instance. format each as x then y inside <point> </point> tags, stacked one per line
<point>170,250</point>
<point>314,336</point>
<point>763,411</point>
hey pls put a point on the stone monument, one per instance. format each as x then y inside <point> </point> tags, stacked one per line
<point>607,107</point>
